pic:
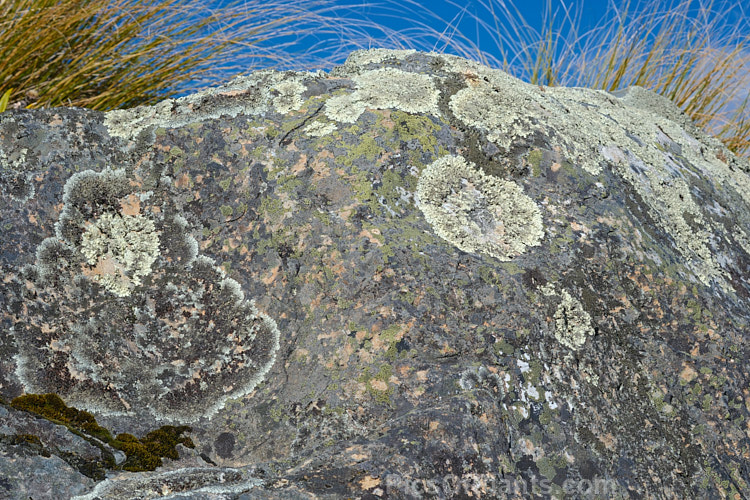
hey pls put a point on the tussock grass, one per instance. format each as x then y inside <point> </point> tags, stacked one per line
<point>105,54</point>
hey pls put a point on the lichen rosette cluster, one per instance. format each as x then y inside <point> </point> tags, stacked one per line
<point>121,314</point>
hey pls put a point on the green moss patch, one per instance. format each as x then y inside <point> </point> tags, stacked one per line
<point>142,454</point>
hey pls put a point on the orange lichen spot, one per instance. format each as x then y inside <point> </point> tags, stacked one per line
<point>130,205</point>
<point>369,482</point>
<point>183,181</point>
<point>688,374</point>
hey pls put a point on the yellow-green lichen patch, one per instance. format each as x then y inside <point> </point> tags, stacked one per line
<point>367,148</point>
<point>378,385</point>
<point>225,184</point>
<point>411,128</point>
<point>535,160</point>
<point>476,212</point>
<point>226,210</point>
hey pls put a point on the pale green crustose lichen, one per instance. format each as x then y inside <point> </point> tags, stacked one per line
<point>136,352</point>
<point>319,129</point>
<point>289,96</point>
<point>642,137</point>
<point>572,322</point>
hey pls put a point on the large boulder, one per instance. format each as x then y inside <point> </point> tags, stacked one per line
<point>411,277</point>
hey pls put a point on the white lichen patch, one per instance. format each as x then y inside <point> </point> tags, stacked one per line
<point>374,56</point>
<point>214,482</point>
<point>345,108</point>
<point>319,129</point>
<point>641,136</point>
<point>668,196</point>
<point>18,186</point>
<point>289,96</point>
<point>13,160</point>
<point>385,88</point>
<point>250,95</point>
<point>587,125</point>
<point>476,212</point>
<point>501,115</point>
<point>392,88</point>
<point>121,250</point>
<point>481,378</point>
<point>509,110</point>
<point>716,161</point>
<point>178,346</point>
<point>572,322</point>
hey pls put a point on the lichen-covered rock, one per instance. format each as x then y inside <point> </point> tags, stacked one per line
<point>123,315</point>
<point>411,277</point>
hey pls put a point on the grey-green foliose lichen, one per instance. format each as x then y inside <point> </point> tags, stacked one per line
<point>122,248</point>
<point>254,94</point>
<point>208,482</point>
<point>477,212</point>
<point>633,135</point>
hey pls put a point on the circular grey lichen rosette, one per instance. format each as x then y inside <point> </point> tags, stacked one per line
<point>120,313</point>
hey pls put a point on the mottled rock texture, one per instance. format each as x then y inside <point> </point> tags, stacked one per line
<point>411,277</point>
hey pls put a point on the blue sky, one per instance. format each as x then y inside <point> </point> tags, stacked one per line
<point>413,18</point>
<point>410,18</point>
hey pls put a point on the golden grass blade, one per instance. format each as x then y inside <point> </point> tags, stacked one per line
<point>4,100</point>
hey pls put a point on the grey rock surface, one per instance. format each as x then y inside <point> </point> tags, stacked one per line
<point>39,459</point>
<point>411,277</point>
